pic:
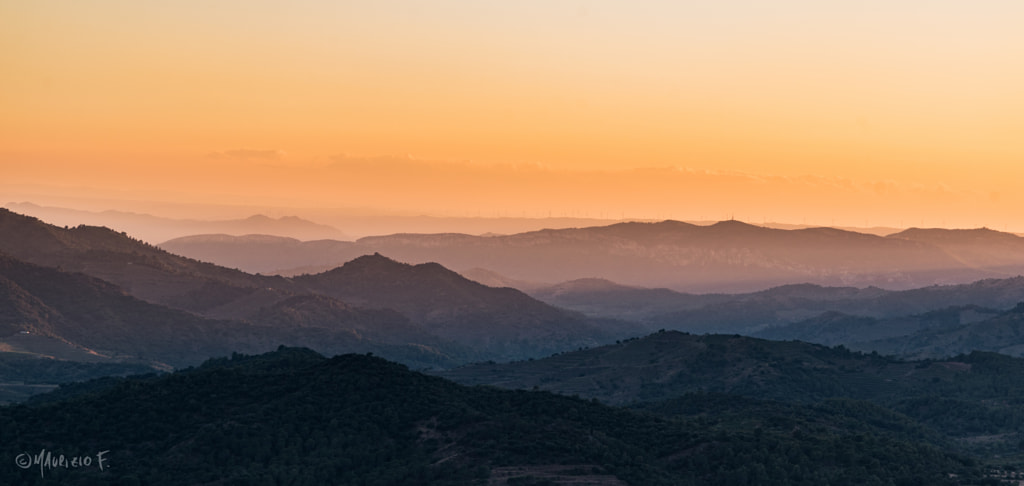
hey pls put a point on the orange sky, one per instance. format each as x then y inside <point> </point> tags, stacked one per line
<point>850,113</point>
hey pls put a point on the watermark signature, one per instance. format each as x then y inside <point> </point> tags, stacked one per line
<point>48,461</point>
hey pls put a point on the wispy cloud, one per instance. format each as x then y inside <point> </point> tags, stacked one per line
<point>249,154</point>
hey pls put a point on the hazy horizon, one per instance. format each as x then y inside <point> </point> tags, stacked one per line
<point>858,115</point>
<point>369,180</point>
<point>344,224</point>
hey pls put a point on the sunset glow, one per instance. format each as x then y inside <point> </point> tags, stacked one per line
<point>832,113</point>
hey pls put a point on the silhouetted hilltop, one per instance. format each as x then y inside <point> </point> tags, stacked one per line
<point>499,321</point>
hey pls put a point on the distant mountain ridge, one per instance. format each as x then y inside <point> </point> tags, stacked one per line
<point>155,229</point>
<point>729,256</point>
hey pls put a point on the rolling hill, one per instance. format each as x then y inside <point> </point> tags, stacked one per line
<point>972,400</point>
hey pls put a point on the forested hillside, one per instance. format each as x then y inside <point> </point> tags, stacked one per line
<point>295,417</point>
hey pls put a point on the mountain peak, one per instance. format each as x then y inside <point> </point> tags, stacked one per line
<point>259,218</point>
<point>377,267</point>
<point>666,224</point>
<point>284,358</point>
<point>734,224</point>
<point>951,235</point>
<point>376,259</point>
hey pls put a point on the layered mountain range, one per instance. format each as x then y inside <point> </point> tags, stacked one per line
<point>930,322</point>
<point>428,316</point>
<point>894,285</point>
<point>729,256</point>
<point>678,408</point>
<point>108,294</point>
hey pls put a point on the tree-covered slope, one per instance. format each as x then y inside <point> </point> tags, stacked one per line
<point>294,417</point>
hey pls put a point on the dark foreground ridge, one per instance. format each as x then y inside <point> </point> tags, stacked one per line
<point>295,417</point>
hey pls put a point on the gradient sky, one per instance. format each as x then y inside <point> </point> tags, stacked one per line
<point>907,113</point>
